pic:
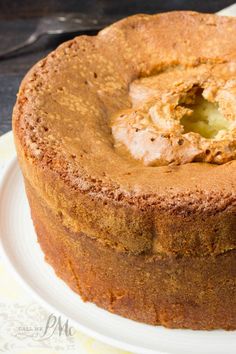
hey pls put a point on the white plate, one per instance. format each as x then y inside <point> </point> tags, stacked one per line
<point>24,256</point>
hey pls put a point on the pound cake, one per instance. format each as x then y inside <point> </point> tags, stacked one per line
<point>127,144</point>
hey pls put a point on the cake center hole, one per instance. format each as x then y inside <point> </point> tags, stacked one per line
<point>205,118</point>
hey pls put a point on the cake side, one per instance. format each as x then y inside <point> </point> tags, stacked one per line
<point>193,292</point>
<point>139,228</point>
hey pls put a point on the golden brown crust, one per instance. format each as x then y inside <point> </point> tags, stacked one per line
<point>176,292</point>
<point>61,126</point>
<point>65,102</point>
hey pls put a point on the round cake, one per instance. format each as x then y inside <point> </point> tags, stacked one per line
<point>127,144</point>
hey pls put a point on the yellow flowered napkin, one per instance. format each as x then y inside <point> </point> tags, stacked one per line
<point>24,323</point>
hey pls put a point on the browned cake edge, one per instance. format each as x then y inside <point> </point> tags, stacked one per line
<point>176,292</point>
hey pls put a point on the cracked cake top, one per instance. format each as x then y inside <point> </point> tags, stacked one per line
<point>82,111</point>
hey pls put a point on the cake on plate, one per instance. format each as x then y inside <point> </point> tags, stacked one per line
<point>127,144</point>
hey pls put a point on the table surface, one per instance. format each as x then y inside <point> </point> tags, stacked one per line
<point>18,20</point>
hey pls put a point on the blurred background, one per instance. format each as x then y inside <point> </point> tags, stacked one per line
<point>18,19</point>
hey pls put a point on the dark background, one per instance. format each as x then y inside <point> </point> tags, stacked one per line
<point>19,18</point>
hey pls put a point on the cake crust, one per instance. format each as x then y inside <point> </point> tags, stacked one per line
<point>174,291</point>
<point>61,124</point>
